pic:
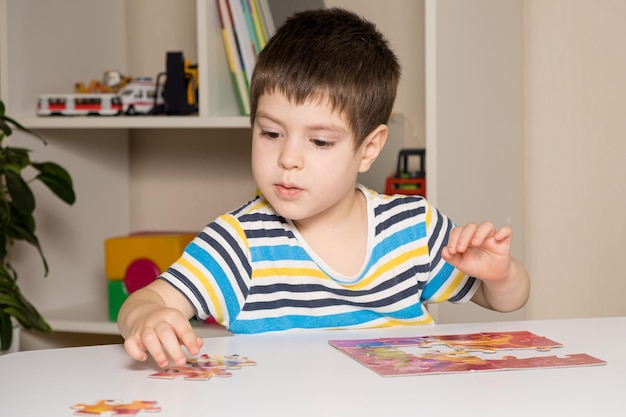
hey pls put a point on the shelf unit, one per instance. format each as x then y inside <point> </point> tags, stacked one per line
<point>45,47</point>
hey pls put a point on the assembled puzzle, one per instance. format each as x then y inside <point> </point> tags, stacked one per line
<point>393,357</point>
<point>205,367</point>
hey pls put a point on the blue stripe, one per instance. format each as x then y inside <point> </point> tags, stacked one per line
<point>396,240</point>
<point>286,322</point>
<point>284,253</point>
<point>224,284</point>
<point>232,244</point>
<point>437,281</point>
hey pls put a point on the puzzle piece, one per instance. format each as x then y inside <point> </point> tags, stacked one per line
<point>115,408</point>
<point>205,367</point>
<point>230,361</point>
<point>192,373</point>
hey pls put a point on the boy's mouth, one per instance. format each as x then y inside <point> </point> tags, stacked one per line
<point>287,191</point>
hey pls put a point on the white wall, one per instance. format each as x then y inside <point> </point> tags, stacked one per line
<point>474,122</point>
<point>575,132</point>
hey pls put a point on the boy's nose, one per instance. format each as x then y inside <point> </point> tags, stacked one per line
<point>290,157</point>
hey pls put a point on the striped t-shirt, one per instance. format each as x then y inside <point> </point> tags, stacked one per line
<point>252,271</point>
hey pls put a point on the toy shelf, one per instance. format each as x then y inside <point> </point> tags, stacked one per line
<point>137,122</point>
<point>47,47</point>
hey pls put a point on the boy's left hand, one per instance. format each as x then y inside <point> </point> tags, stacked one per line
<point>481,251</point>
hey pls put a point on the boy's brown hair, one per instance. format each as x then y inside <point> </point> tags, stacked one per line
<point>334,55</point>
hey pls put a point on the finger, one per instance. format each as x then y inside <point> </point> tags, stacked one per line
<point>171,344</point>
<point>453,238</point>
<point>467,234</point>
<point>483,231</point>
<point>450,256</point>
<point>153,344</point>
<point>192,343</point>
<point>504,233</point>
<point>135,348</point>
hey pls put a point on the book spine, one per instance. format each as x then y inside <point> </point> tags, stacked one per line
<point>232,56</point>
<point>246,46</point>
<point>258,26</point>
<point>247,13</point>
<point>266,17</point>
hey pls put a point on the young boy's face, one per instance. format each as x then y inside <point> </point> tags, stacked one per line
<point>303,157</point>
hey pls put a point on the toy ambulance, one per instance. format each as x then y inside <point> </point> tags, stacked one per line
<point>140,96</point>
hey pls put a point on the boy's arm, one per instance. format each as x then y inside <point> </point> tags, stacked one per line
<point>155,319</point>
<point>483,251</point>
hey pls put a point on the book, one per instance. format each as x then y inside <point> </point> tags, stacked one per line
<point>232,55</point>
<point>244,41</point>
<point>258,26</point>
<point>266,18</point>
<point>247,13</point>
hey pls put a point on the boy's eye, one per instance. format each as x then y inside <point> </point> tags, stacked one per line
<point>270,135</point>
<point>321,143</point>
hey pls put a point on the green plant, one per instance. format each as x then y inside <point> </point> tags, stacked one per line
<point>17,204</point>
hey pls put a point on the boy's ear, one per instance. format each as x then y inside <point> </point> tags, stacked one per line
<point>372,145</point>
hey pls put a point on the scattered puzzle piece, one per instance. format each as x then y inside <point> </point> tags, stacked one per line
<point>230,361</point>
<point>115,408</point>
<point>192,373</point>
<point>205,367</point>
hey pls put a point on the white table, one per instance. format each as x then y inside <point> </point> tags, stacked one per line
<point>298,373</point>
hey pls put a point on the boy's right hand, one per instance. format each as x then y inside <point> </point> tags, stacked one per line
<point>155,320</point>
<point>161,334</point>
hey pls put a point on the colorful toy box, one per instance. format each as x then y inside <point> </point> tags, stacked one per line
<point>134,261</point>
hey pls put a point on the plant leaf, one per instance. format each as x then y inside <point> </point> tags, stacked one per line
<point>6,129</point>
<point>6,331</point>
<point>21,195</point>
<point>18,232</point>
<point>54,170</point>
<point>57,179</point>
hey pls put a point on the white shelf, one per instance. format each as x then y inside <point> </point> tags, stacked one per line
<point>93,318</point>
<point>135,122</point>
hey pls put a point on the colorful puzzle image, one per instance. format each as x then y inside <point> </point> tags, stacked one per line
<point>115,408</point>
<point>406,355</point>
<point>205,367</point>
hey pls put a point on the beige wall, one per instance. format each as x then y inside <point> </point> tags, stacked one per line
<point>575,134</point>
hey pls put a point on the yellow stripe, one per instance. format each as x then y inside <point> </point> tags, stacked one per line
<point>230,220</point>
<point>219,316</point>
<point>429,215</point>
<point>454,285</point>
<point>302,272</point>
<point>399,260</point>
<point>260,204</point>
<point>229,55</point>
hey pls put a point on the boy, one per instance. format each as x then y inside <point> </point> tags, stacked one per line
<point>315,249</point>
